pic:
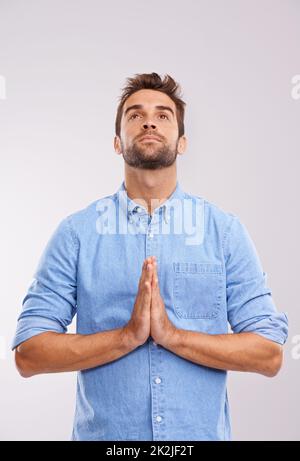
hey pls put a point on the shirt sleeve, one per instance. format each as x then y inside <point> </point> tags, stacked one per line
<point>250,306</point>
<point>50,302</point>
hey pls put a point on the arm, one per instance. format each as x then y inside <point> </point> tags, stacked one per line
<point>239,352</point>
<point>259,331</point>
<point>41,343</point>
<point>53,352</point>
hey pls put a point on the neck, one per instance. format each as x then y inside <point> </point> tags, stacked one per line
<point>150,188</point>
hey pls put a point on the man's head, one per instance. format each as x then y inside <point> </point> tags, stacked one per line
<point>150,106</point>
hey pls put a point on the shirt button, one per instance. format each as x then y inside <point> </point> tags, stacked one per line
<point>158,419</point>
<point>154,343</point>
<point>157,380</point>
<point>150,235</point>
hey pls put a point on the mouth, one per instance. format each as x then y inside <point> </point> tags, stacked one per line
<point>150,138</point>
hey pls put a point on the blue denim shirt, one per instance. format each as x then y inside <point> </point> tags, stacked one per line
<point>210,278</point>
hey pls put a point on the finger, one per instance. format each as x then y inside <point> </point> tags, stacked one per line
<point>154,284</point>
<point>154,265</point>
<point>146,261</point>
<point>146,284</point>
<point>143,286</point>
<point>155,275</point>
<point>144,269</point>
<point>147,273</point>
<point>146,293</point>
<point>154,279</point>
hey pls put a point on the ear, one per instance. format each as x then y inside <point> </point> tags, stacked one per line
<point>117,145</point>
<point>182,145</point>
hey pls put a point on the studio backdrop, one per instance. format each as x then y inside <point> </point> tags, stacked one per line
<point>62,67</point>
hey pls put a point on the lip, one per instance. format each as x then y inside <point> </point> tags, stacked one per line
<point>149,138</point>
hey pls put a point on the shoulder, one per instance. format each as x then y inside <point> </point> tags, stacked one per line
<point>83,221</point>
<point>214,214</point>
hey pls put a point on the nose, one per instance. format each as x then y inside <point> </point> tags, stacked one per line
<point>146,125</point>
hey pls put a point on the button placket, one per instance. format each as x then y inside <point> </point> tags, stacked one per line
<point>157,410</point>
<point>155,352</point>
<point>157,391</point>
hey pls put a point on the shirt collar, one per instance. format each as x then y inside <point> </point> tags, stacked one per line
<point>131,207</point>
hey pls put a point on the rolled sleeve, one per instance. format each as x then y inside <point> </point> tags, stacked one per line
<point>250,305</point>
<point>50,302</point>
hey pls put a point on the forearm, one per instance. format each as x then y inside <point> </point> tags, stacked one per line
<point>240,351</point>
<point>52,352</point>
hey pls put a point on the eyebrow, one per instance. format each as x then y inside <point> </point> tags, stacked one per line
<point>140,106</point>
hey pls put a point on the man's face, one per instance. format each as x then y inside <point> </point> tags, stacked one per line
<point>152,113</point>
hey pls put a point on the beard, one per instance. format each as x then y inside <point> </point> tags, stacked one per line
<point>149,156</point>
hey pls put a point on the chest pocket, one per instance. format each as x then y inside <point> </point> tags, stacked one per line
<point>197,289</point>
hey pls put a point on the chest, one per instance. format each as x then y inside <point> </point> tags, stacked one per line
<point>191,278</point>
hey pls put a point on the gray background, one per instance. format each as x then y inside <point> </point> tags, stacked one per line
<point>64,64</point>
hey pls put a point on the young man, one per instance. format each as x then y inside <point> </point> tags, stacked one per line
<point>154,275</point>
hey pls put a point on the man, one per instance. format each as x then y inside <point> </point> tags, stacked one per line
<point>154,275</point>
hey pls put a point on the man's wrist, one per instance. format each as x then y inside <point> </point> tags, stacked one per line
<point>172,338</point>
<point>128,343</point>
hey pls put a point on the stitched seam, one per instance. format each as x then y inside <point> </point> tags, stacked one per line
<point>72,233</point>
<point>225,239</point>
<point>75,243</point>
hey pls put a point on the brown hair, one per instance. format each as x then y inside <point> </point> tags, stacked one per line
<point>153,82</point>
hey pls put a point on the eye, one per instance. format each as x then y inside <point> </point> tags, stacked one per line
<point>135,114</point>
<point>132,116</point>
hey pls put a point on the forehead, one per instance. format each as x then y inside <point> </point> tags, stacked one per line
<point>149,99</point>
